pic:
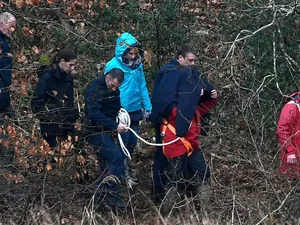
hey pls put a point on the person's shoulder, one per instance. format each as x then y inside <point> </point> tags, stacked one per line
<point>47,75</point>
<point>111,64</point>
<point>173,64</point>
<point>113,60</point>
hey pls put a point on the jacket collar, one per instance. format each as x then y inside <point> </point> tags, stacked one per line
<point>2,35</point>
<point>59,74</point>
<point>102,80</point>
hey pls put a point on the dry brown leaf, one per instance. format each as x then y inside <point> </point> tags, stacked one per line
<point>103,4</point>
<point>19,3</point>
<point>27,32</point>
<point>148,57</point>
<point>32,151</point>
<point>81,160</point>
<point>24,88</point>
<point>48,167</point>
<point>61,162</point>
<point>36,50</point>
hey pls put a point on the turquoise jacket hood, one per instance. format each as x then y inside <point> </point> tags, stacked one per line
<point>134,93</point>
<point>125,41</point>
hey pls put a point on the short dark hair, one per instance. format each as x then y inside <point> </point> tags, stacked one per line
<point>116,74</point>
<point>184,50</point>
<point>66,54</point>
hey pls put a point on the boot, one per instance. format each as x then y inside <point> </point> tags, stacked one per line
<point>169,202</point>
<point>130,181</point>
<point>116,201</point>
<point>110,200</point>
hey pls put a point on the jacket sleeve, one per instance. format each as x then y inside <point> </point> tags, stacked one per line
<point>93,108</point>
<point>71,114</point>
<point>288,119</point>
<point>146,103</point>
<point>39,99</point>
<point>206,106</point>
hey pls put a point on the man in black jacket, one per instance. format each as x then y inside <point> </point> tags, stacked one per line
<point>177,84</point>
<point>102,104</point>
<point>7,27</point>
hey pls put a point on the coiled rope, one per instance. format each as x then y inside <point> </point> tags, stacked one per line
<point>123,117</point>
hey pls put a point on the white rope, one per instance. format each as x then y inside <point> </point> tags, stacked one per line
<point>123,117</point>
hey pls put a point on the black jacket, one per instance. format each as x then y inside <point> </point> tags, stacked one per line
<point>5,74</point>
<point>177,86</point>
<point>53,101</point>
<point>5,61</point>
<point>101,106</point>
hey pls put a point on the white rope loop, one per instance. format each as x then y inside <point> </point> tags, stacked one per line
<point>124,118</point>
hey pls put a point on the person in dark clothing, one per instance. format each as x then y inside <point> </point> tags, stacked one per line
<point>7,27</point>
<point>53,98</point>
<point>102,104</point>
<point>178,91</point>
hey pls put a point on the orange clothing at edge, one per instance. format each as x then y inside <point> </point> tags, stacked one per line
<point>177,148</point>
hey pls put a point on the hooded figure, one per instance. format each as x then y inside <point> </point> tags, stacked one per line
<point>134,94</point>
<point>289,136</point>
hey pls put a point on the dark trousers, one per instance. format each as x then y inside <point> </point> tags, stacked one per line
<point>159,167</point>
<point>193,168</point>
<point>129,139</point>
<point>51,140</point>
<point>197,167</point>
<point>188,172</point>
<point>177,173</point>
<point>110,158</point>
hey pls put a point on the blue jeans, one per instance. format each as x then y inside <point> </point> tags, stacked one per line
<point>129,139</point>
<point>110,157</point>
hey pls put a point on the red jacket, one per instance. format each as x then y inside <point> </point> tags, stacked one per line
<point>178,148</point>
<point>288,131</point>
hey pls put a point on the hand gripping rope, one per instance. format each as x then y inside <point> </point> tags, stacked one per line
<point>123,117</point>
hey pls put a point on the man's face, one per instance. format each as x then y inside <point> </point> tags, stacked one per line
<point>68,67</point>
<point>188,60</point>
<point>9,27</point>
<point>112,84</point>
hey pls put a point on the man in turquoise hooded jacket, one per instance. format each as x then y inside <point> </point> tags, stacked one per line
<point>134,94</point>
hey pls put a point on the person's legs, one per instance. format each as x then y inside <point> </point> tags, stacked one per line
<point>113,158</point>
<point>198,167</point>
<point>176,180</point>
<point>159,170</point>
<point>199,176</point>
<point>177,171</point>
<point>51,140</point>
<point>130,141</point>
